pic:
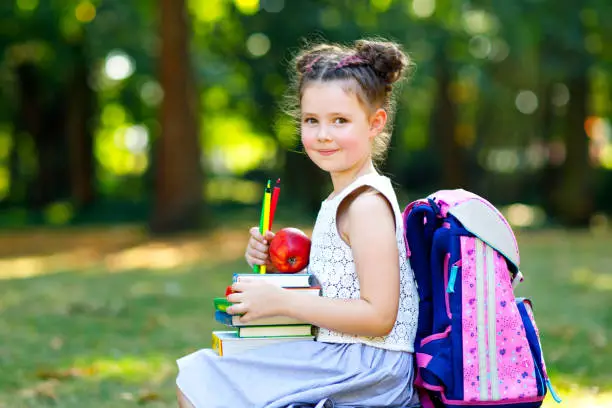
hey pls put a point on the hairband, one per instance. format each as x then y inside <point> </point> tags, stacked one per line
<point>311,65</point>
<point>350,60</point>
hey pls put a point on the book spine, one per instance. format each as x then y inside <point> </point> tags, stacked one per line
<point>217,344</point>
<point>223,318</point>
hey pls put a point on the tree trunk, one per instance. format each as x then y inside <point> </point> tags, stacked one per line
<point>549,176</point>
<point>79,132</point>
<point>443,125</point>
<point>574,197</point>
<point>179,175</point>
<point>42,117</point>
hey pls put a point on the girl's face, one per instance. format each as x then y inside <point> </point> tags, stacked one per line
<point>337,131</point>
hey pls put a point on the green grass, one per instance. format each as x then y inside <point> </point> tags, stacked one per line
<point>97,318</point>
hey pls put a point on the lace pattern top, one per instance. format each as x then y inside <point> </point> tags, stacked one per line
<point>331,261</point>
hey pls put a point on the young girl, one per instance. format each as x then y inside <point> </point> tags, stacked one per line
<point>367,314</point>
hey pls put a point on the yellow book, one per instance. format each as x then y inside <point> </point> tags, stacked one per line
<point>217,346</point>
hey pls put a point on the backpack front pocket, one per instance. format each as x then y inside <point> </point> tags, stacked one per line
<point>434,360</point>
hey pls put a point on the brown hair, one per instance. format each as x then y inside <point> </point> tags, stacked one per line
<point>373,66</point>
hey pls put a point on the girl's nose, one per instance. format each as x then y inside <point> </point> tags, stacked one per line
<point>323,134</point>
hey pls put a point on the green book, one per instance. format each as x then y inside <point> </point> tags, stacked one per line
<point>222,304</point>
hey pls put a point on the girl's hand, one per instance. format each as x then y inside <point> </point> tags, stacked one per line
<point>254,299</point>
<point>257,252</point>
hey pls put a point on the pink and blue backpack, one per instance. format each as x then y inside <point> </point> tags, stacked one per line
<point>476,344</point>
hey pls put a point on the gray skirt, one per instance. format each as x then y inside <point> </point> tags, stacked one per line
<point>303,373</point>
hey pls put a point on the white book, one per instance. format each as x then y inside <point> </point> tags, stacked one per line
<point>275,331</point>
<point>285,280</point>
<point>227,343</point>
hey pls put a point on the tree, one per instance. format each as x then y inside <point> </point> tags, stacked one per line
<point>179,175</point>
<point>79,130</point>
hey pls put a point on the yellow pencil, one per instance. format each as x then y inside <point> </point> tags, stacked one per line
<point>266,216</point>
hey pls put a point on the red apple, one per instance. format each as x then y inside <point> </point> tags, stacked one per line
<point>290,250</point>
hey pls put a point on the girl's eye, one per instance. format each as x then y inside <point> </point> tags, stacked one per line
<point>340,121</point>
<point>310,121</point>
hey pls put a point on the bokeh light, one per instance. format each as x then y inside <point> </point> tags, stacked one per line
<point>118,65</point>
<point>423,8</point>
<point>85,12</point>
<point>480,22</point>
<point>526,102</point>
<point>330,17</point>
<point>499,50</point>
<point>560,95</point>
<point>258,44</point>
<point>273,6</point>
<point>27,5</point>
<point>151,93</point>
<point>136,139</point>
<point>480,46</point>
<point>247,7</point>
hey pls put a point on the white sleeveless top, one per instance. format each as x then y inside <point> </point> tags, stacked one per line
<point>331,261</point>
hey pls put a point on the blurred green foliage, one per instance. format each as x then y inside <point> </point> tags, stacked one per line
<point>508,99</point>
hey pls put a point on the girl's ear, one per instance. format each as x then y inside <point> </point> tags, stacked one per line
<point>377,122</point>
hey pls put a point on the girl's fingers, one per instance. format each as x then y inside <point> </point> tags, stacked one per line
<point>256,235</point>
<point>258,246</point>
<point>255,248</point>
<point>234,297</point>
<point>253,261</point>
<point>238,308</point>
<point>242,285</point>
<point>254,256</point>
<point>257,254</point>
<point>245,318</point>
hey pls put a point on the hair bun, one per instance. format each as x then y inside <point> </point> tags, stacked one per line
<point>386,58</point>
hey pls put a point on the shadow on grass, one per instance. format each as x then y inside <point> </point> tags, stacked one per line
<point>100,337</point>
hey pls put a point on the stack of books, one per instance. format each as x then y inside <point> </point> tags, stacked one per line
<point>264,331</point>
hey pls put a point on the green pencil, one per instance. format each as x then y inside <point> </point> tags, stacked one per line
<point>256,268</point>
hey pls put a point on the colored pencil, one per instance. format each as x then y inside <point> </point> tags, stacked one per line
<point>256,268</point>
<point>275,193</point>
<point>266,220</point>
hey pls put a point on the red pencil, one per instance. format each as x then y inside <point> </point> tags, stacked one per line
<point>275,193</point>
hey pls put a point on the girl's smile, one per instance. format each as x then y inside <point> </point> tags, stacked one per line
<point>327,152</point>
